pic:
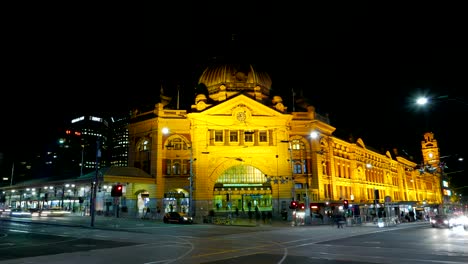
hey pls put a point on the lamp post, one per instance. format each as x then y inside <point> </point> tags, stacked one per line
<point>426,102</point>
<point>12,173</point>
<point>82,160</point>
<point>423,100</point>
<point>191,207</point>
<point>293,188</point>
<point>278,180</point>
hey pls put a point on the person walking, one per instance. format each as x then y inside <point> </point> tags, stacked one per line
<point>339,219</point>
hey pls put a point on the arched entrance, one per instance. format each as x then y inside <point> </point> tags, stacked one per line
<point>143,201</point>
<point>242,188</point>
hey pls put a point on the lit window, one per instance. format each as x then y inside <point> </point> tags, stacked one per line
<point>248,136</point>
<point>262,136</point>
<point>177,144</point>
<point>218,135</point>
<point>233,136</point>
<point>176,167</point>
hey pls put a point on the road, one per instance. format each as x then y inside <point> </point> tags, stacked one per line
<point>145,242</point>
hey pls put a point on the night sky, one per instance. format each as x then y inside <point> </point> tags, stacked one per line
<point>361,65</point>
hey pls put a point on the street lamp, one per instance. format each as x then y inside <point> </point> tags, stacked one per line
<point>278,180</point>
<point>82,159</point>
<point>429,101</point>
<point>295,144</point>
<point>423,100</point>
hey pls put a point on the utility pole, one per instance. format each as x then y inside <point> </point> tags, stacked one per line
<point>94,184</point>
<point>12,173</point>
<point>191,207</point>
<point>82,160</point>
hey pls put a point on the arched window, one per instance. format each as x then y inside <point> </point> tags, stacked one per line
<point>143,154</point>
<point>177,144</point>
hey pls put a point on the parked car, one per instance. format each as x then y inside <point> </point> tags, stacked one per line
<point>177,218</point>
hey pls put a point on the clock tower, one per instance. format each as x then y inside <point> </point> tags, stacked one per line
<point>430,150</point>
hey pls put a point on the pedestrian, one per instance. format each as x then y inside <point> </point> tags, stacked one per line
<point>321,217</point>
<point>339,221</point>
<point>147,213</point>
<point>257,214</point>
<point>158,212</point>
<point>269,217</point>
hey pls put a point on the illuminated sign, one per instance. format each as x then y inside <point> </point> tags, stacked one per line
<point>445,184</point>
<point>97,119</point>
<point>241,184</point>
<point>81,118</point>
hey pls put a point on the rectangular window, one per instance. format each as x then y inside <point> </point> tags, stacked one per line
<point>233,136</point>
<point>176,167</point>
<point>296,144</point>
<point>218,136</point>
<point>262,136</point>
<point>168,167</point>
<point>297,168</point>
<point>186,167</point>
<point>248,136</point>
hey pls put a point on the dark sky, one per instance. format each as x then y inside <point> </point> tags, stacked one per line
<point>362,65</point>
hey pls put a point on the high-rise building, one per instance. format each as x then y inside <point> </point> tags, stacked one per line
<point>85,142</point>
<point>118,143</point>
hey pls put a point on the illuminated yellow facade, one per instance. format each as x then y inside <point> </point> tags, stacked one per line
<point>238,148</point>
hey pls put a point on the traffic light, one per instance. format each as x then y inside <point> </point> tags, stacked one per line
<point>293,205</point>
<point>345,204</point>
<point>116,190</point>
<point>301,206</point>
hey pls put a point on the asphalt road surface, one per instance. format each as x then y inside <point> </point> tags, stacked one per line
<point>205,243</point>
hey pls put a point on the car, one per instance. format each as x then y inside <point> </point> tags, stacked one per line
<point>177,218</point>
<point>54,212</point>
<point>440,221</point>
<point>17,212</point>
<point>445,221</point>
<point>459,220</point>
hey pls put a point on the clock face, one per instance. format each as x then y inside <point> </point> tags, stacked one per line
<point>241,116</point>
<point>430,155</point>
